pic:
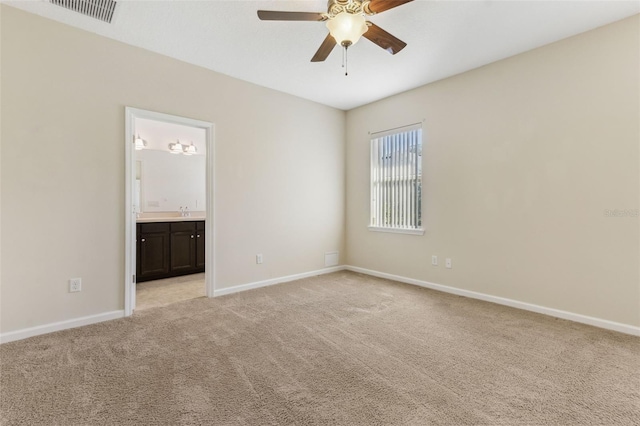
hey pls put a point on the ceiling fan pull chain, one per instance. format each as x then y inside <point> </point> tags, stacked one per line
<point>346,61</point>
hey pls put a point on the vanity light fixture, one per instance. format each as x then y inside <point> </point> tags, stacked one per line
<point>139,143</point>
<point>175,148</point>
<point>190,149</point>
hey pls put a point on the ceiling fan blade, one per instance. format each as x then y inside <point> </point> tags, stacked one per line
<point>325,48</point>
<point>383,39</point>
<point>272,15</point>
<point>377,6</point>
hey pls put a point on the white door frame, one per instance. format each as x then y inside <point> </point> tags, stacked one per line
<point>130,215</point>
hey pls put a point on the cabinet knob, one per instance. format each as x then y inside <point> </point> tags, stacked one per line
<point>143,240</point>
<point>192,236</point>
<point>198,235</point>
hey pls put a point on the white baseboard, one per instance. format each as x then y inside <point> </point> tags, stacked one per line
<point>596,322</point>
<point>272,281</point>
<point>57,326</point>
<point>93,319</point>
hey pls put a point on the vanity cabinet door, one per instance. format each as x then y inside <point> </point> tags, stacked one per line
<point>152,251</point>
<point>200,259</point>
<point>153,255</point>
<point>183,251</point>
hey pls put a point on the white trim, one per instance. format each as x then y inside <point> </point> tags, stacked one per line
<point>130,216</point>
<point>272,281</point>
<point>93,319</point>
<point>419,231</point>
<point>596,322</point>
<point>12,336</point>
<point>209,224</point>
<point>129,213</point>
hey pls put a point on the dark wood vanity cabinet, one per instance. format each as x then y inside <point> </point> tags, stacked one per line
<point>152,250</point>
<point>169,249</point>
<point>183,247</point>
<point>200,245</point>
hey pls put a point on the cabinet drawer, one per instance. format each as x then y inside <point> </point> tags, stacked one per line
<point>183,226</point>
<point>146,228</point>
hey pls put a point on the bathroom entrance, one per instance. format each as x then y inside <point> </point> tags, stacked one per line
<point>170,217</point>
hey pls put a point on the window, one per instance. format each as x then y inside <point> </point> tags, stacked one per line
<point>396,180</point>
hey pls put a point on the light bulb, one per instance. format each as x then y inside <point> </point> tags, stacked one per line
<point>175,148</point>
<point>140,143</point>
<point>190,149</point>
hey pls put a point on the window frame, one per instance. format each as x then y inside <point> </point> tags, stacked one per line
<point>374,181</point>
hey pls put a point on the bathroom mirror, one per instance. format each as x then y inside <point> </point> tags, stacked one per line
<point>165,182</point>
<point>169,178</point>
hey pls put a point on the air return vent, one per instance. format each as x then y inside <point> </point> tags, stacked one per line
<point>99,9</point>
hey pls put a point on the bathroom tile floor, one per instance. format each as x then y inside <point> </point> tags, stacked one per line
<point>151,294</point>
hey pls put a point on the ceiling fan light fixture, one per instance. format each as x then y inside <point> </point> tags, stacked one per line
<point>347,28</point>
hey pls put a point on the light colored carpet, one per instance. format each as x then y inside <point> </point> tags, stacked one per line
<point>151,294</point>
<point>341,349</point>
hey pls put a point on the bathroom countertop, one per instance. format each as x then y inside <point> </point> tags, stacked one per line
<point>169,217</point>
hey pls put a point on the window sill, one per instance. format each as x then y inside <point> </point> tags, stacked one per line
<point>397,230</point>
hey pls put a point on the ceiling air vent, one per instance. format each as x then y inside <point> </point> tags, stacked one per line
<point>99,9</point>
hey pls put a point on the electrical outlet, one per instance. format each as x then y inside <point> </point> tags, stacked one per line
<point>434,260</point>
<point>75,285</point>
<point>448,263</point>
<point>259,259</point>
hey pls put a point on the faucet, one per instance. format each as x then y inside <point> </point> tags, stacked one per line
<point>181,211</point>
<point>186,212</point>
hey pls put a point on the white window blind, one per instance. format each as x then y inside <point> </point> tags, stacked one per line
<point>396,180</point>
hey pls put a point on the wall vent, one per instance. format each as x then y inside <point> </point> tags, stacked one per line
<point>98,9</point>
<point>331,259</point>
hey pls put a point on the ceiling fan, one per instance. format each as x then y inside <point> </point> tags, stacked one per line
<point>346,22</point>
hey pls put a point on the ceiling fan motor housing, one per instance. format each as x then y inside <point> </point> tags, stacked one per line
<point>334,7</point>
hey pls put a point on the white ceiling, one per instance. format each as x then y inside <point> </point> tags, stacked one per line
<point>444,38</point>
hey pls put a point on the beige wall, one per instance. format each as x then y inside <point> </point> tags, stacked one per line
<point>521,159</point>
<point>279,169</point>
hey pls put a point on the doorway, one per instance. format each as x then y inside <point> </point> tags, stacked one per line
<point>169,246</point>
